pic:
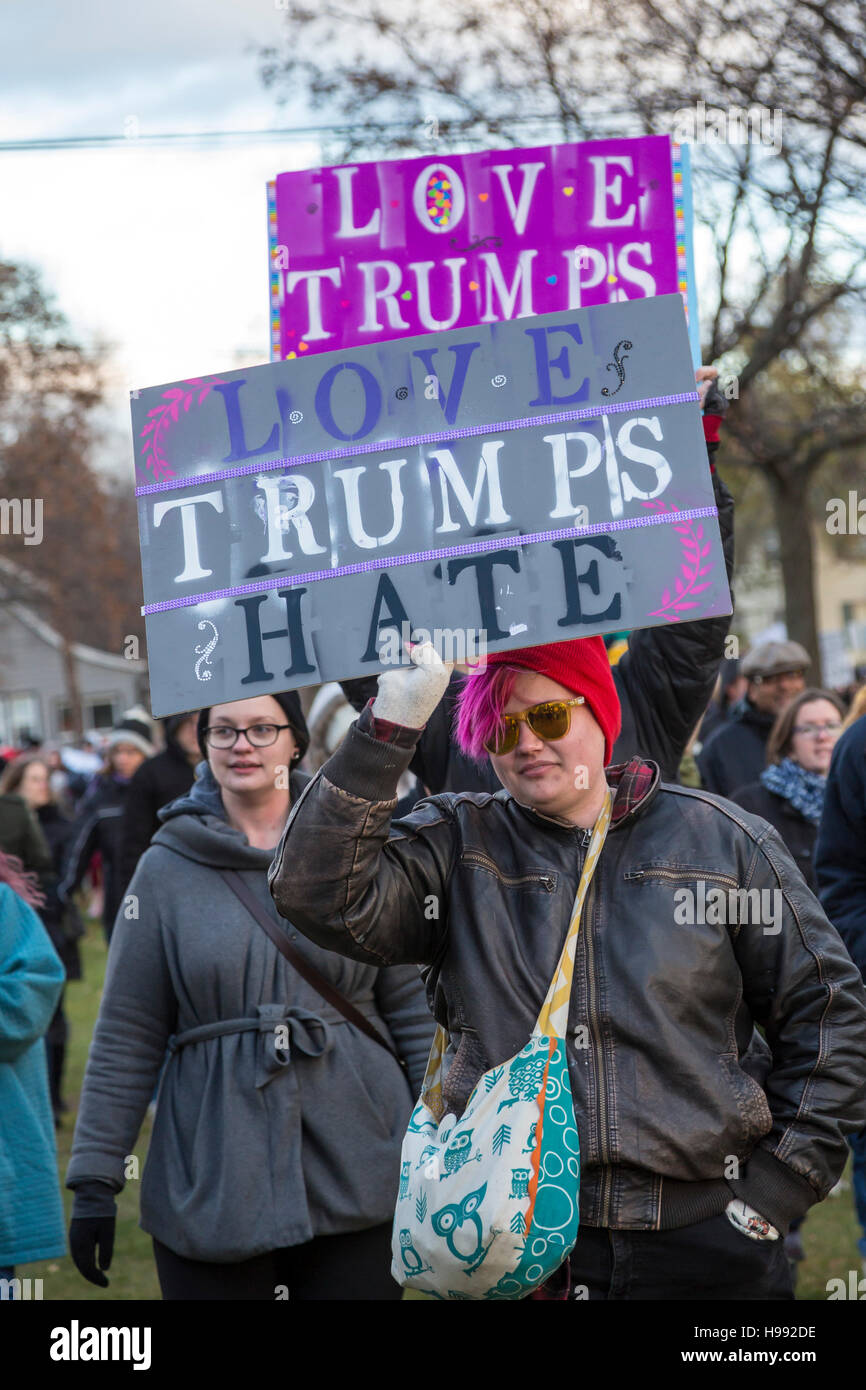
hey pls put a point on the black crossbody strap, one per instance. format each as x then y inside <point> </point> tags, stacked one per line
<point>308,972</point>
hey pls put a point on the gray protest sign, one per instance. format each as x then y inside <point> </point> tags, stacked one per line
<point>509,484</point>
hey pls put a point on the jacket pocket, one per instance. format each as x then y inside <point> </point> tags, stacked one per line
<point>678,873</point>
<point>540,881</point>
<point>751,1101</point>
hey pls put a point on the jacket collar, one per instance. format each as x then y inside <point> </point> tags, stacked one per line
<point>744,712</point>
<point>204,797</point>
<point>634,784</point>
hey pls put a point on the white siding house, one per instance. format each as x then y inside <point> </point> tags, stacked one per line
<point>33,695</point>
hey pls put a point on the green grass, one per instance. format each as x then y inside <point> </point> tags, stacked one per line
<point>829,1235</point>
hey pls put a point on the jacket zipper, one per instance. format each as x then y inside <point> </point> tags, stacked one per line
<point>472,856</point>
<point>690,874</point>
<point>598,1049</point>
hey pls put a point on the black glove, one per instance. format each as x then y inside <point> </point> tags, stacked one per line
<point>714,402</point>
<point>94,1213</point>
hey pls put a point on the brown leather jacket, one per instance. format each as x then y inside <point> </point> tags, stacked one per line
<point>479,889</point>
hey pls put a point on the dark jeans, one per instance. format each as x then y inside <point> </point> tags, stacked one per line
<point>56,1039</point>
<point>356,1266</point>
<point>708,1260</point>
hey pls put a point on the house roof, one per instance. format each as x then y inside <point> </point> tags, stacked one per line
<point>16,575</point>
<point>91,655</point>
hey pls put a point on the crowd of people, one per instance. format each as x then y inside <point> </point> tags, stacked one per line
<point>292,909</point>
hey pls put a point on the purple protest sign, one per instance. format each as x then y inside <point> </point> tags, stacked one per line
<point>361,253</point>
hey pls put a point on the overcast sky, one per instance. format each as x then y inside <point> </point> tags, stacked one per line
<point>162,252</point>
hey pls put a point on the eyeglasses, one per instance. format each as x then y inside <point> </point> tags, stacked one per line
<point>549,721</point>
<point>813,730</point>
<point>259,735</point>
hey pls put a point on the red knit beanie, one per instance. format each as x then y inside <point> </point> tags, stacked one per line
<point>582,666</point>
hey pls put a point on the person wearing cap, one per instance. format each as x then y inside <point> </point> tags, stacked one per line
<point>274,1161</point>
<point>735,753</point>
<point>692,1164</point>
<point>163,778</point>
<point>98,820</point>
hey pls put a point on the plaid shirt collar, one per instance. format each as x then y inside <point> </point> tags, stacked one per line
<point>630,783</point>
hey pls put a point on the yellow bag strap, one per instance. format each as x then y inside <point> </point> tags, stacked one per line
<point>553,1019</point>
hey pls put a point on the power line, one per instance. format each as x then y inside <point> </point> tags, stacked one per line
<point>133,136</point>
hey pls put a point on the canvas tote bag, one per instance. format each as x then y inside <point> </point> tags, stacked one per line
<point>487,1206</point>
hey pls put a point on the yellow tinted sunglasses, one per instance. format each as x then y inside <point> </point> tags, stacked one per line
<point>550,721</point>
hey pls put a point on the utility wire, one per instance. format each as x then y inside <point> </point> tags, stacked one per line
<point>296,133</point>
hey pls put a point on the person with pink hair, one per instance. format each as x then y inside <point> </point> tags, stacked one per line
<point>699,1141</point>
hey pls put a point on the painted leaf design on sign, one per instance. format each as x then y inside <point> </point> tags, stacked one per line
<point>693,552</point>
<point>501,1138</point>
<point>161,417</point>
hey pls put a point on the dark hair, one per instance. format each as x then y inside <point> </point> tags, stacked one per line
<point>288,701</point>
<point>13,773</point>
<point>782,732</point>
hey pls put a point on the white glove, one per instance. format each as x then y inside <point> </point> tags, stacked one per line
<point>749,1222</point>
<point>409,694</point>
<point>704,377</point>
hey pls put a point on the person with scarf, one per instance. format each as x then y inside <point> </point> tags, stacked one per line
<point>790,791</point>
<point>790,795</point>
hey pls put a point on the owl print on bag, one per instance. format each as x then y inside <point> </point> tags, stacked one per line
<point>449,1222</point>
<point>525,1077</point>
<point>459,1151</point>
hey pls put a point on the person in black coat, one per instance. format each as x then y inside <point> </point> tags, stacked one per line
<point>664,680</point>
<point>30,778</point>
<point>736,752</point>
<point>98,822</point>
<point>840,854</point>
<point>20,835</point>
<point>162,779</point>
<point>840,866</point>
<point>790,791</point>
<point>790,795</point>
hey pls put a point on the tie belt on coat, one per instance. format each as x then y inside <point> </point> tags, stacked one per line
<point>284,1028</point>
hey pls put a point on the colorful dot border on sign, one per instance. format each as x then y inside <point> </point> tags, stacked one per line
<point>276,345</point>
<point>680,224</point>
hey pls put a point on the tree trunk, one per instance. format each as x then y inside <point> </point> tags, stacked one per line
<point>796,554</point>
<point>73,693</point>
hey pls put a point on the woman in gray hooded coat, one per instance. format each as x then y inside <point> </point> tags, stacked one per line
<point>274,1161</point>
